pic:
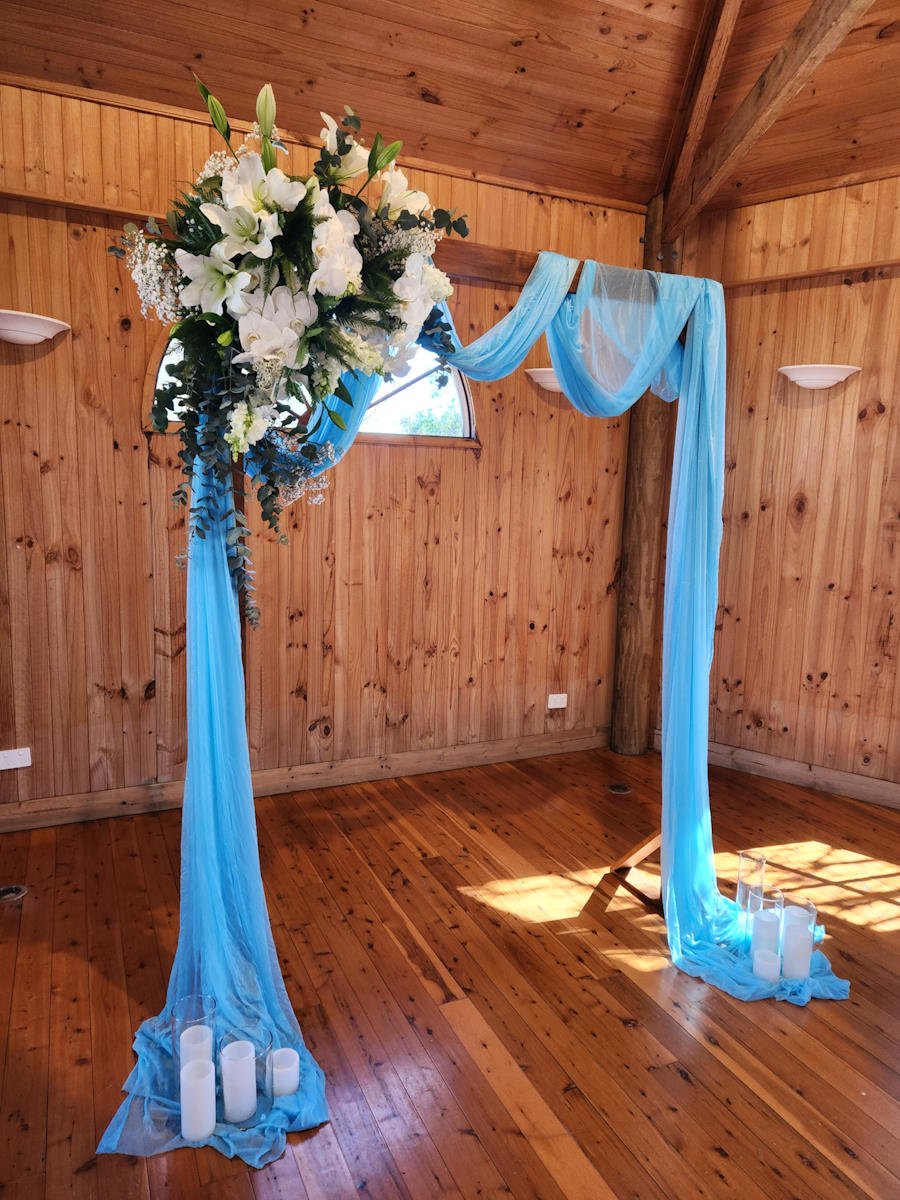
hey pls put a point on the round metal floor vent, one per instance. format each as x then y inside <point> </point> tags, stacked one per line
<point>12,892</point>
<point>620,789</point>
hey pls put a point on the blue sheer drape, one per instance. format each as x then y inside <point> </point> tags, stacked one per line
<point>616,337</point>
<point>225,946</point>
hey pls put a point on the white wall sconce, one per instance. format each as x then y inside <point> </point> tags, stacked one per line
<point>27,329</point>
<point>544,377</point>
<point>817,376</point>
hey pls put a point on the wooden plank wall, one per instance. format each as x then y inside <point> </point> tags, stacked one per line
<point>806,662</point>
<point>420,616</point>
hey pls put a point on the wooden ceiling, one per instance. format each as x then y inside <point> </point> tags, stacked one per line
<point>566,95</point>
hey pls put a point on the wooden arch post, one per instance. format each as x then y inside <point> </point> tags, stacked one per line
<point>638,625</point>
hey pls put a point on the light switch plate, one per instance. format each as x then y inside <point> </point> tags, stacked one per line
<point>11,759</point>
<point>557,699</point>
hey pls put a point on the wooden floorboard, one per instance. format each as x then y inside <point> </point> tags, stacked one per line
<point>495,1014</point>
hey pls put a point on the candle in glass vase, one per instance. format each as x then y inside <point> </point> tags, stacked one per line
<point>797,940</point>
<point>766,965</point>
<point>750,885</point>
<point>198,1100</point>
<point>196,1042</point>
<point>237,1060</point>
<point>766,923</point>
<point>285,1071</point>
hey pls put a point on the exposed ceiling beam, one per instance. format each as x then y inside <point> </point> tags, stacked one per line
<point>701,81</point>
<point>821,30</point>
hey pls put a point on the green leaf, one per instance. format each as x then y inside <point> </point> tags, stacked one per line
<point>153,226</point>
<point>342,394</point>
<point>116,250</point>
<point>441,218</point>
<point>226,338</point>
<point>459,226</point>
<point>335,417</point>
<point>131,229</point>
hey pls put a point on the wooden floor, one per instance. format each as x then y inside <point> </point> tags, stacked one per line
<point>483,1034</point>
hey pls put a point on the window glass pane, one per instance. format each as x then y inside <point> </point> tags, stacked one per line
<point>427,400</point>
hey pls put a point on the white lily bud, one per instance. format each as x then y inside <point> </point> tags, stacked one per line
<point>265,109</point>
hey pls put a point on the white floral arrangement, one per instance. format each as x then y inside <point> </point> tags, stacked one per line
<point>277,286</point>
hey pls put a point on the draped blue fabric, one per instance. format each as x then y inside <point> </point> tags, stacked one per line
<point>504,347</point>
<point>616,337</point>
<point>225,946</point>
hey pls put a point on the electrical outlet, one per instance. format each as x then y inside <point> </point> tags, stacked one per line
<point>11,759</point>
<point>557,699</point>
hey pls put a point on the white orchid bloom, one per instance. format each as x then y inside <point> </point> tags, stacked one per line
<point>274,324</point>
<point>338,261</point>
<point>418,289</point>
<point>397,196</point>
<point>247,185</point>
<point>214,281</point>
<point>245,232</point>
<point>354,162</point>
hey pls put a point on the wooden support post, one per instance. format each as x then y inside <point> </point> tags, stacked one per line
<point>637,629</point>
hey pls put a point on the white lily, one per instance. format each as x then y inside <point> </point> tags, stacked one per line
<point>397,196</point>
<point>246,184</point>
<point>245,232</point>
<point>354,162</point>
<point>215,281</point>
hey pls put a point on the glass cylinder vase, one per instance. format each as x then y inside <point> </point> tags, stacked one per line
<point>245,1066</point>
<point>797,935</point>
<point>193,1030</point>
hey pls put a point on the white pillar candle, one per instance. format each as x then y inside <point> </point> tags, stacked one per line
<point>796,946</point>
<point>766,965</point>
<point>765,931</point>
<point>196,1042</point>
<point>198,1100</point>
<point>285,1071</point>
<point>238,1063</point>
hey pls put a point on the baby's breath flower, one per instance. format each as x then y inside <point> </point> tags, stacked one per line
<point>305,484</point>
<point>155,277</point>
<point>414,241</point>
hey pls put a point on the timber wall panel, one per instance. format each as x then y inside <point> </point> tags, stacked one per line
<point>434,599</point>
<point>807,661</point>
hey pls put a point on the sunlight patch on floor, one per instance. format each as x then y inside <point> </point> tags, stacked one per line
<point>535,898</point>
<point>539,899</point>
<point>854,887</point>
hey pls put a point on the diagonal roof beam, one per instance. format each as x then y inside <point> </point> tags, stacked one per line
<point>701,81</point>
<point>824,26</point>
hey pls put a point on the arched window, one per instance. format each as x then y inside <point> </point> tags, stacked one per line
<point>431,400</point>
